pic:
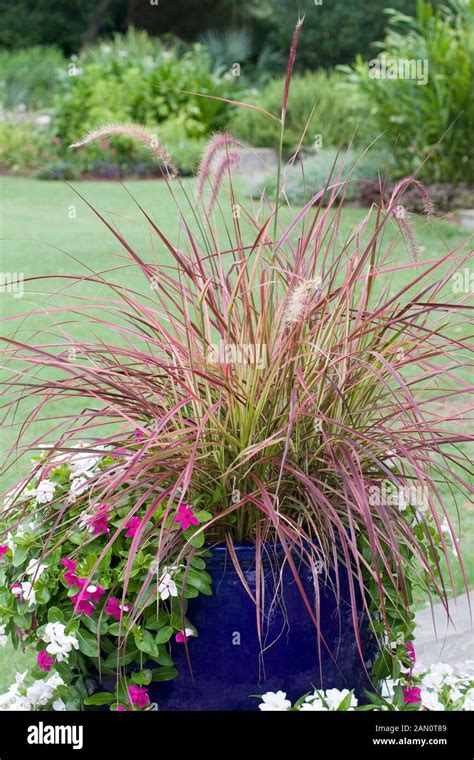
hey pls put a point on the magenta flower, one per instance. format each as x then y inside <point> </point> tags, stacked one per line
<point>185,516</point>
<point>139,435</point>
<point>183,636</point>
<point>120,708</point>
<point>83,601</point>
<point>411,653</point>
<point>45,662</point>
<point>98,522</point>
<point>3,551</point>
<point>133,524</point>
<point>70,575</point>
<point>138,696</point>
<point>411,694</point>
<point>114,608</point>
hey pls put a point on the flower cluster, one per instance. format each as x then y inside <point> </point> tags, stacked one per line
<point>319,701</point>
<point>439,687</point>
<point>72,601</point>
<point>43,694</point>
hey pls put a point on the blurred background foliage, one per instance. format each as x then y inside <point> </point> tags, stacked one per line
<point>78,64</point>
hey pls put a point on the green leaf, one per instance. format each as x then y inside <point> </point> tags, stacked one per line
<point>21,554</point>
<point>146,643</point>
<point>164,674</point>
<point>164,634</point>
<point>55,615</point>
<point>101,698</point>
<point>87,643</point>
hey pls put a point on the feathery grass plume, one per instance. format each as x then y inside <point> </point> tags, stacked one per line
<point>136,132</point>
<point>403,185</point>
<point>406,227</point>
<point>220,140</point>
<point>289,69</point>
<point>299,300</point>
<point>225,162</point>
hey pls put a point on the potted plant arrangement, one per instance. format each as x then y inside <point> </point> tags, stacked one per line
<point>250,489</point>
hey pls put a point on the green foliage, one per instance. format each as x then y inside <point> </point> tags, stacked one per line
<point>415,117</point>
<point>337,105</point>
<point>333,32</point>
<point>24,147</point>
<point>30,76</point>
<point>137,79</point>
<point>50,22</point>
<point>96,577</point>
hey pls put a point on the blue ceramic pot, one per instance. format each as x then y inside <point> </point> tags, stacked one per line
<point>226,659</point>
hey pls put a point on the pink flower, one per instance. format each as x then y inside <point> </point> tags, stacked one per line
<point>182,636</point>
<point>44,661</point>
<point>133,524</point>
<point>411,653</point>
<point>139,435</point>
<point>411,694</point>
<point>98,522</point>
<point>185,516</point>
<point>120,708</point>
<point>16,590</point>
<point>114,608</point>
<point>3,551</point>
<point>138,696</point>
<point>83,601</point>
<point>70,575</point>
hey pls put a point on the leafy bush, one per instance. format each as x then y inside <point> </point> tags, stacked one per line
<point>334,32</point>
<point>30,77</point>
<point>328,166</point>
<point>135,78</point>
<point>23,147</point>
<point>335,116</point>
<point>415,117</point>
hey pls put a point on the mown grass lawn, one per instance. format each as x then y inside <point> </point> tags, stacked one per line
<point>46,229</point>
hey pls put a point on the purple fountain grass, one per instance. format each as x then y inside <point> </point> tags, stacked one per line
<point>274,377</point>
<point>136,132</point>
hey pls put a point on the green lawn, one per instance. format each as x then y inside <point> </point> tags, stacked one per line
<point>45,229</point>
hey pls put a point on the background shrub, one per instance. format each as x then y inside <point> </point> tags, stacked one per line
<point>135,78</point>
<point>413,117</point>
<point>30,77</point>
<point>335,117</point>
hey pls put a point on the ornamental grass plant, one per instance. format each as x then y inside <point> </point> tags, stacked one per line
<point>272,386</point>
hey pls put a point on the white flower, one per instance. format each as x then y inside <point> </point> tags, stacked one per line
<point>275,701</point>
<point>60,644</point>
<point>40,693</point>
<point>78,487</point>
<point>313,704</point>
<point>167,587</point>
<point>83,464</point>
<point>59,705</point>
<point>469,700</point>
<point>334,698</point>
<point>430,701</point>
<point>55,680</point>
<point>3,638</point>
<point>436,676</point>
<point>44,491</point>
<point>35,568</point>
<point>26,592</point>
